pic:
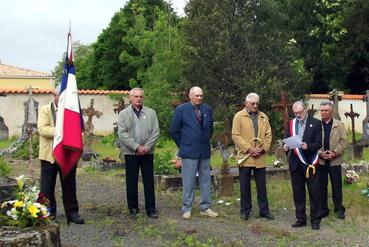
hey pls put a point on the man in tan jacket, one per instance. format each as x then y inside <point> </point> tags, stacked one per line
<point>330,159</point>
<point>251,133</point>
<point>49,168</point>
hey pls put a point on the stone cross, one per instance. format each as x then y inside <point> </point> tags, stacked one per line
<point>335,97</point>
<point>366,119</point>
<point>30,124</point>
<point>120,105</point>
<point>90,112</point>
<point>312,111</point>
<point>352,115</point>
<point>283,106</point>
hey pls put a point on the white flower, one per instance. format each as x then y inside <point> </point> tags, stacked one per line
<point>238,199</point>
<point>228,203</point>
<point>220,202</point>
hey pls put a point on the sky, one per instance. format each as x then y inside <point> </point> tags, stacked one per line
<point>34,32</point>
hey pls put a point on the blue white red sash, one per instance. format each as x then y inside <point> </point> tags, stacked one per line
<point>298,151</point>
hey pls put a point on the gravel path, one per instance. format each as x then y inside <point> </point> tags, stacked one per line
<point>102,203</point>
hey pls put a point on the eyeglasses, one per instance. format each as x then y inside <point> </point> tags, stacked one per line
<point>254,103</point>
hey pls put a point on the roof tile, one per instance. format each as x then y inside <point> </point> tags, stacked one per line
<point>50,91</point>
<point>8,71</point>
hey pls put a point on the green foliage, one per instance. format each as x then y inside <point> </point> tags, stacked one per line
<point>233,48</point>
<point>23,150</point>
<point>5,168</point>
<point>163,165</point>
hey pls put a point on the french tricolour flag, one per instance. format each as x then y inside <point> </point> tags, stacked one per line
<point>67,144</point>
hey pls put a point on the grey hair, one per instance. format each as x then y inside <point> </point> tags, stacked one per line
<point>193,89</point>
<point>299,103</point>
<point>57,89</point>
<point>326,102</point>
<point>251,96</point>
<point>136,89</point>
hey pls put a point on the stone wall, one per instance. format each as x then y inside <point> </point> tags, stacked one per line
<point>12,110</point>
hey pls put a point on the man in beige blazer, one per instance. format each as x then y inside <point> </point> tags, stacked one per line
<point>49,168</point>
<point>330,159</point>
<point>251,133</point>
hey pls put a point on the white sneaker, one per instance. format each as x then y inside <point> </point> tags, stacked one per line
<point>210,213</point>
<point>186,215</point>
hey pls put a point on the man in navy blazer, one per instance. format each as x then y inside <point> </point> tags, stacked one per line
<point>303,163</point>
<point>191,129</point>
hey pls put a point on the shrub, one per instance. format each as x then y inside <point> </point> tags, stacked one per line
<point>163,165</point>
<point>5,168</point>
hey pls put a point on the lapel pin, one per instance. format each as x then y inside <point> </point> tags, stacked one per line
<point>311,125</point>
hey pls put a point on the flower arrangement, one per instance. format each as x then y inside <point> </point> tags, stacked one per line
<point>29,208</point>
<point>351,177</point>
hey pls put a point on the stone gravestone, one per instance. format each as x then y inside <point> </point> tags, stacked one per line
<point>356,149</point>
<point>335,96</point>
<point>4,130</point>
<point>312,111</point>
<point>90,112</point>
<point>365,140</point>
<point>30,113</point>
<point>30,124</point>
<point>224,181</point>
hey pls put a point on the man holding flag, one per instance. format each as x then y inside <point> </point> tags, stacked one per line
<point>302,163</point>
<point>60,126</point>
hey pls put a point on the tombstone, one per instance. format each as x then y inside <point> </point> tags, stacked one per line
<point>335,96</point>
<point>30,125</point>
<point>4,130</point>
<point>30,113</point>
<point>312,111</point>
<point>90,112</point>
<point>118,107</point>
<point>356,149</point>
<point>224,186</point>
<point>365,138</point>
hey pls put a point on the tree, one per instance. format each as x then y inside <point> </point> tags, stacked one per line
<point>234,47</point>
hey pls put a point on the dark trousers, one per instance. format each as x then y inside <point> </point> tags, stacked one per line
<point>48,180</point>
<point>245,189</point>
<point>335,175</point>
<point>298,180</point>
<point>133,164</point>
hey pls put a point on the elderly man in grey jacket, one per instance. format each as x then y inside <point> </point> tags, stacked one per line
<point>138,131</point>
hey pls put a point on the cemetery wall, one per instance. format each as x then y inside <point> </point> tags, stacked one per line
<point>359,106</point>
<point>12,108</point>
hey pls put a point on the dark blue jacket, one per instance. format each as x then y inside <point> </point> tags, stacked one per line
<point>191,137</point>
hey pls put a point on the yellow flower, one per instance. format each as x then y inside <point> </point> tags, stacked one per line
<point>33,210</point>
<point>18,204</point>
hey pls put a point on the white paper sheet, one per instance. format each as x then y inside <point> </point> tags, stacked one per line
<point>293,141</point>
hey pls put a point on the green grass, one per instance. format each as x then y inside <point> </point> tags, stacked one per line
<point>7,143</point>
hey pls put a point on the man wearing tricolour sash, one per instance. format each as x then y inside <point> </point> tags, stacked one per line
<point>303,163</point>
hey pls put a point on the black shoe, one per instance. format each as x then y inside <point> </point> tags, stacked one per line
<point>77,219</point>
<point>315,226</point>
<point>341,215</point>
<point>152,215</point>
<point>245,216</point>
<point>267,216</point>
<point>299,224</point>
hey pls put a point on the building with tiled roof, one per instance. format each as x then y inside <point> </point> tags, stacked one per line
<point>12,77</point>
